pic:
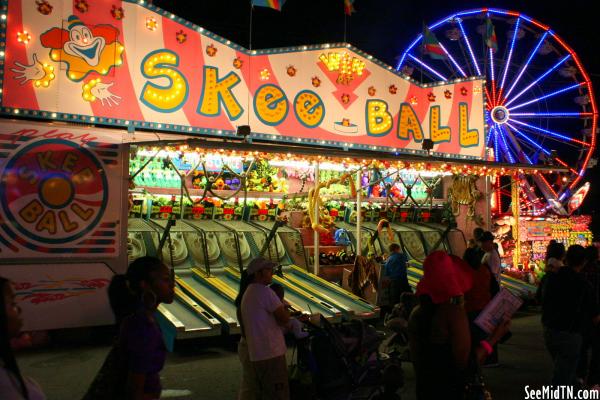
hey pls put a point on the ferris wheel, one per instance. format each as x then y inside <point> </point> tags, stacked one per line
<point>540,106</point>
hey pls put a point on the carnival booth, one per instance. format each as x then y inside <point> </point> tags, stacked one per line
<point>129,131</point>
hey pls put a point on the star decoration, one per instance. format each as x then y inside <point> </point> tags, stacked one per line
<point>181,36</point>
<point>447,94</point>
<point>265,74</point>
<point>393,89</point>
<point>117,13</point>
<point>371,91</point>
<point>316,82</point>
<point>151,24</point>
<point>82,6</point>
<point>413,101</point>
<point>345,98</point>
<point>431,96</point>
<point>44,7</point>
<point>291,70</point>
<point>237,63</point>
<point>211,50</point>
<point>477,89</point>
<point>463,91</point>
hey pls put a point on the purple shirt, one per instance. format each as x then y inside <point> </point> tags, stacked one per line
<point>142,340</point>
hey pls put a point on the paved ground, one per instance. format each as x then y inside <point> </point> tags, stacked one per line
<point>210,369</point>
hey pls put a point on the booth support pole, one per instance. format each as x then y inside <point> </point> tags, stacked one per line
<point>516,208</point>
<point>358,212</point>
<point>316,251</point>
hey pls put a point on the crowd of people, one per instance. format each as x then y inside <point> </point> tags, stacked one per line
<point>447,347</point>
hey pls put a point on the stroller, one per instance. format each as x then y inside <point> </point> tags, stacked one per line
<point>342,362</point>
<point>397,321</point>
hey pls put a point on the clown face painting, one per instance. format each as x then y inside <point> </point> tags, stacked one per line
<point>84,49</point>
<point>82,42</point>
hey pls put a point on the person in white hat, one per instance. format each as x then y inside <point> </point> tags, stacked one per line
<point>262,314</point>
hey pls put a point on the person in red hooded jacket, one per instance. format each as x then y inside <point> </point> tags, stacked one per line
<point>439,336</point>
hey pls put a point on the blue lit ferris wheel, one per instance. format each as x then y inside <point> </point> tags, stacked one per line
<point>540,106</point>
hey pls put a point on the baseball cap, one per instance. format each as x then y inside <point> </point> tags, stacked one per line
<point>259,263</point>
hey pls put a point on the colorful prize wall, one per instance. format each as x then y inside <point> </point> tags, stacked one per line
<point>129,64</point>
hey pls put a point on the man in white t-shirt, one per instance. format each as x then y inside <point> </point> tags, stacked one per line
<point>262,315</point>
<point>491,257</point>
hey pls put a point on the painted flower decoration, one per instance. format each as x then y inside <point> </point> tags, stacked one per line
<point>117,13</point>
<point>345,98</point>
<point>371,91</point>
<point>477,89</point>
<point>211,50</point>
<point>237,63</point>
<point>181,36</point>
<point>393,89</point>
<point>291,70</point>
<point>447,94</point>
<point>345,122</point>
<point>44,7</point>
<point>23,37</point>
<point>431,96</point>
<point>463,91</point>
<point>82,5</point>
<point>265,74</point>
<point>413,101</point>
<point>316,82</point>
<point>151,24</point>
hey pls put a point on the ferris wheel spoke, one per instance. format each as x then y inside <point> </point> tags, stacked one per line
<point>453,61</point>
<point>550,133</point>
<point>526,65</point>
<point>427,67</point>
<point>507,152</point>
<point>521,154</point>
<point>577,115</point>
<point>508,60</point>
<point>540,78</point>
<point>555,93</point>
<point>493,81</point>
<point>496,147</point>
<point>490,132</point>
<point>468,42</point>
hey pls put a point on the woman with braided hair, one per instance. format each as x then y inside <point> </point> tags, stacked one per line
<point>13,385</point>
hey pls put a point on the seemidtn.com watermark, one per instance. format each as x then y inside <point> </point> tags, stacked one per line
<point>560,393</point>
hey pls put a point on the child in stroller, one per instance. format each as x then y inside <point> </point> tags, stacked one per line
<point>397,322</point>
<point>344,362</point>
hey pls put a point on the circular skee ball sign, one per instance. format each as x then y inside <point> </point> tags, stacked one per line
<point>53,191</point>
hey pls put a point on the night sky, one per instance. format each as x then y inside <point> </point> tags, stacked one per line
<point>384,28</point>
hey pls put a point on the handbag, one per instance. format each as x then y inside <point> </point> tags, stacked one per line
<point>474,388</point>
<point>110,382</point>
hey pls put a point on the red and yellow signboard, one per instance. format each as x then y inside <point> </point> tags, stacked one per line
<point>56,185</point>
<point>144,68</point>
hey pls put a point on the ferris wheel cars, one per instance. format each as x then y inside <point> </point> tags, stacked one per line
<point>540,103</point>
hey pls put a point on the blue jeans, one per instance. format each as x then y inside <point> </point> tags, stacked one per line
<point>564,348</point>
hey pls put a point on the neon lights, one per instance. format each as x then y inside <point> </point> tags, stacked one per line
<point>493,83</point>
<point>462,29</point>
<point>508,152</point>
<point>510,53</point>
<point>553,115</point>
<point>442,77</point>
<point>545,74</point>
<point>453,60</point>
<point>524,67</point>
<point>528,140</point>
<point>575,86</point>
<point>550,133</point>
